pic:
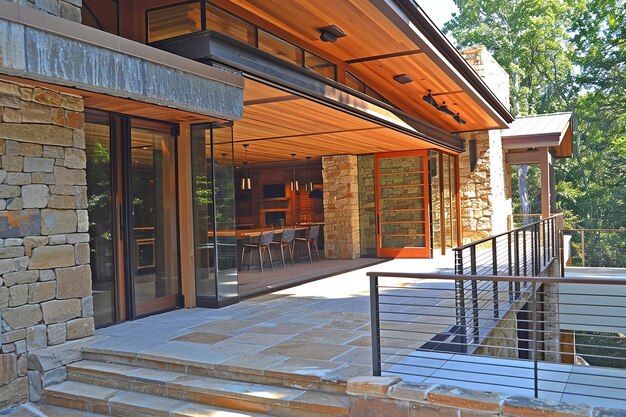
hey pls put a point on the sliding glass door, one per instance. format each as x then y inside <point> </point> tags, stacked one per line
<point>151,173</point>
<point>131,186</point>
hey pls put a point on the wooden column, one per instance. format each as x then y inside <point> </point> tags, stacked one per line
<point>185,217</point>
<point>545,163</point>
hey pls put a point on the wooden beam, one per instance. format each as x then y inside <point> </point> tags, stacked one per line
<point>185,217</point>
<point>384,56</point>
<point>524,158</point>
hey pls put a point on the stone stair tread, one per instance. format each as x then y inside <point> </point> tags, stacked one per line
<point>139,402</point>
<point>217,386</point>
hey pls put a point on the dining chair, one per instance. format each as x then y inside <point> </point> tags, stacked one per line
<point>262,244</point>
<point>310,238</point>
<point>286,239</point>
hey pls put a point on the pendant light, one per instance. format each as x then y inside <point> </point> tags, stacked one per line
<point>294,181</point>
<point>309,184</point>
<point>246,183</point>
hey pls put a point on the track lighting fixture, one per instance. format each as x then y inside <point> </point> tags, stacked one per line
<point>457,117</point>
<point>444,108</point>
<point>246,182</point>
<point>428,98</point>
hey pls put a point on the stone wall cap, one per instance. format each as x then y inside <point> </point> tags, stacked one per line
<point>534,407</point>
<point>466,398</point>
<point>371,385</point>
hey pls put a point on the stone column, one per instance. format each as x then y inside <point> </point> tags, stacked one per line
<point>45,277</point>
<point>341,207</point>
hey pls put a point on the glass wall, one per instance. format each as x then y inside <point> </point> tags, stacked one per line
<point>213,190</point>
<point>101,230</point>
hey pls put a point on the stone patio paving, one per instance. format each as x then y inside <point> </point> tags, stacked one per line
<point>320,328</point>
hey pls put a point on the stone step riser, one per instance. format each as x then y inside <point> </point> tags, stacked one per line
<point>233,401</point>
<point>279,379</point>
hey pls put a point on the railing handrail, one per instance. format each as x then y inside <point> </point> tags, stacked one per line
<point>498,278</point>
<point>489,238</point>
<point>595,230</point>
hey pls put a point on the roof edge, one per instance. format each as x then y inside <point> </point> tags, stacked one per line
<point>453,56</point>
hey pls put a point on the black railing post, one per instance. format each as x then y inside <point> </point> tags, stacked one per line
<point>494,255</point>
<point>524,254</point>
<point>535,338</point>
<point>375,312</point>
<point>475,312</point>
<point>459,284</point>
<point>517,263</point>
<point>510,258</point>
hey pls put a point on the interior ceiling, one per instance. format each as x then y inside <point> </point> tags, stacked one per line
<point>277,124</point>
<point>376,50</point>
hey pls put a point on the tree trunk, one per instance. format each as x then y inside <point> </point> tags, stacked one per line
<point>522,182</point>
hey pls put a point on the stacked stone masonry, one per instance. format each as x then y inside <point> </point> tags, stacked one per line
<point>67,9</point>
<point>45,277</point>
<point>341,207</point>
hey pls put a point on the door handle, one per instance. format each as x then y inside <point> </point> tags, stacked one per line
<point>378,229</point>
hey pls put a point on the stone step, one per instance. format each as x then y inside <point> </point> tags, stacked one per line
<point>122,403</point>
<point>231,372</point>
<point>231,394</point>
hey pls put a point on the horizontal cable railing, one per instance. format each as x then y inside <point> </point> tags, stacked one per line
<point>549,337</point>
<point>525,251</point>
<point>597,247</point>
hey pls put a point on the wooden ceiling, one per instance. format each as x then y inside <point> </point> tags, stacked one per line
<point>375,50</point>
<point>277,124</point>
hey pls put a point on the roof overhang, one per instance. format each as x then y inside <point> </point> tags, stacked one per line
<point>216,49</point>
<point>386,38</point>
<point>553,131</point>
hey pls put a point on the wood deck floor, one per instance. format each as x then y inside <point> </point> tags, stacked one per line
<point>255,282</point>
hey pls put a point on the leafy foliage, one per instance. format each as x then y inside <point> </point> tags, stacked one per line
<point>566,56</point>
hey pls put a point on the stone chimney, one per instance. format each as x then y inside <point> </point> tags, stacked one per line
<point>485,199</point>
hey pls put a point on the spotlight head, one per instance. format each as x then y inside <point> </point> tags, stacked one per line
<point>331,33</point>
<point>444,108</point>
<point>457,117</point>
<point>428,98</point>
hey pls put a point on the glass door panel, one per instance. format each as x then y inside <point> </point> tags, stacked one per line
<point>101,222</point>
<point>152,204</point>
<point>401,202</point>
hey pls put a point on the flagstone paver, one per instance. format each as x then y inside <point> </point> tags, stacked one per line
<point>317,329</point>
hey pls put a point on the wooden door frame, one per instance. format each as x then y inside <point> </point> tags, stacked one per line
<point>424,252</point>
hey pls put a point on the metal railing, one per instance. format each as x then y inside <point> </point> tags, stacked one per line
<point>601,248</point>
<point>518,220</point>
<point>525,251</point>
<point>552,337</point>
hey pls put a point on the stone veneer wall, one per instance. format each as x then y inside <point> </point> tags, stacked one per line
<point>67,9</point>
<point>45,277</point>
<point>485,200</point>
<point>341,207</point>
<point>485,204</point>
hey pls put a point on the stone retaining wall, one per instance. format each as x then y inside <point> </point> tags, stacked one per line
<point>45,277</point>
<point>390,397</point>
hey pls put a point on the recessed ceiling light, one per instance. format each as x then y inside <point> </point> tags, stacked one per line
<point>403,79</point>
<point>331,33</point>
